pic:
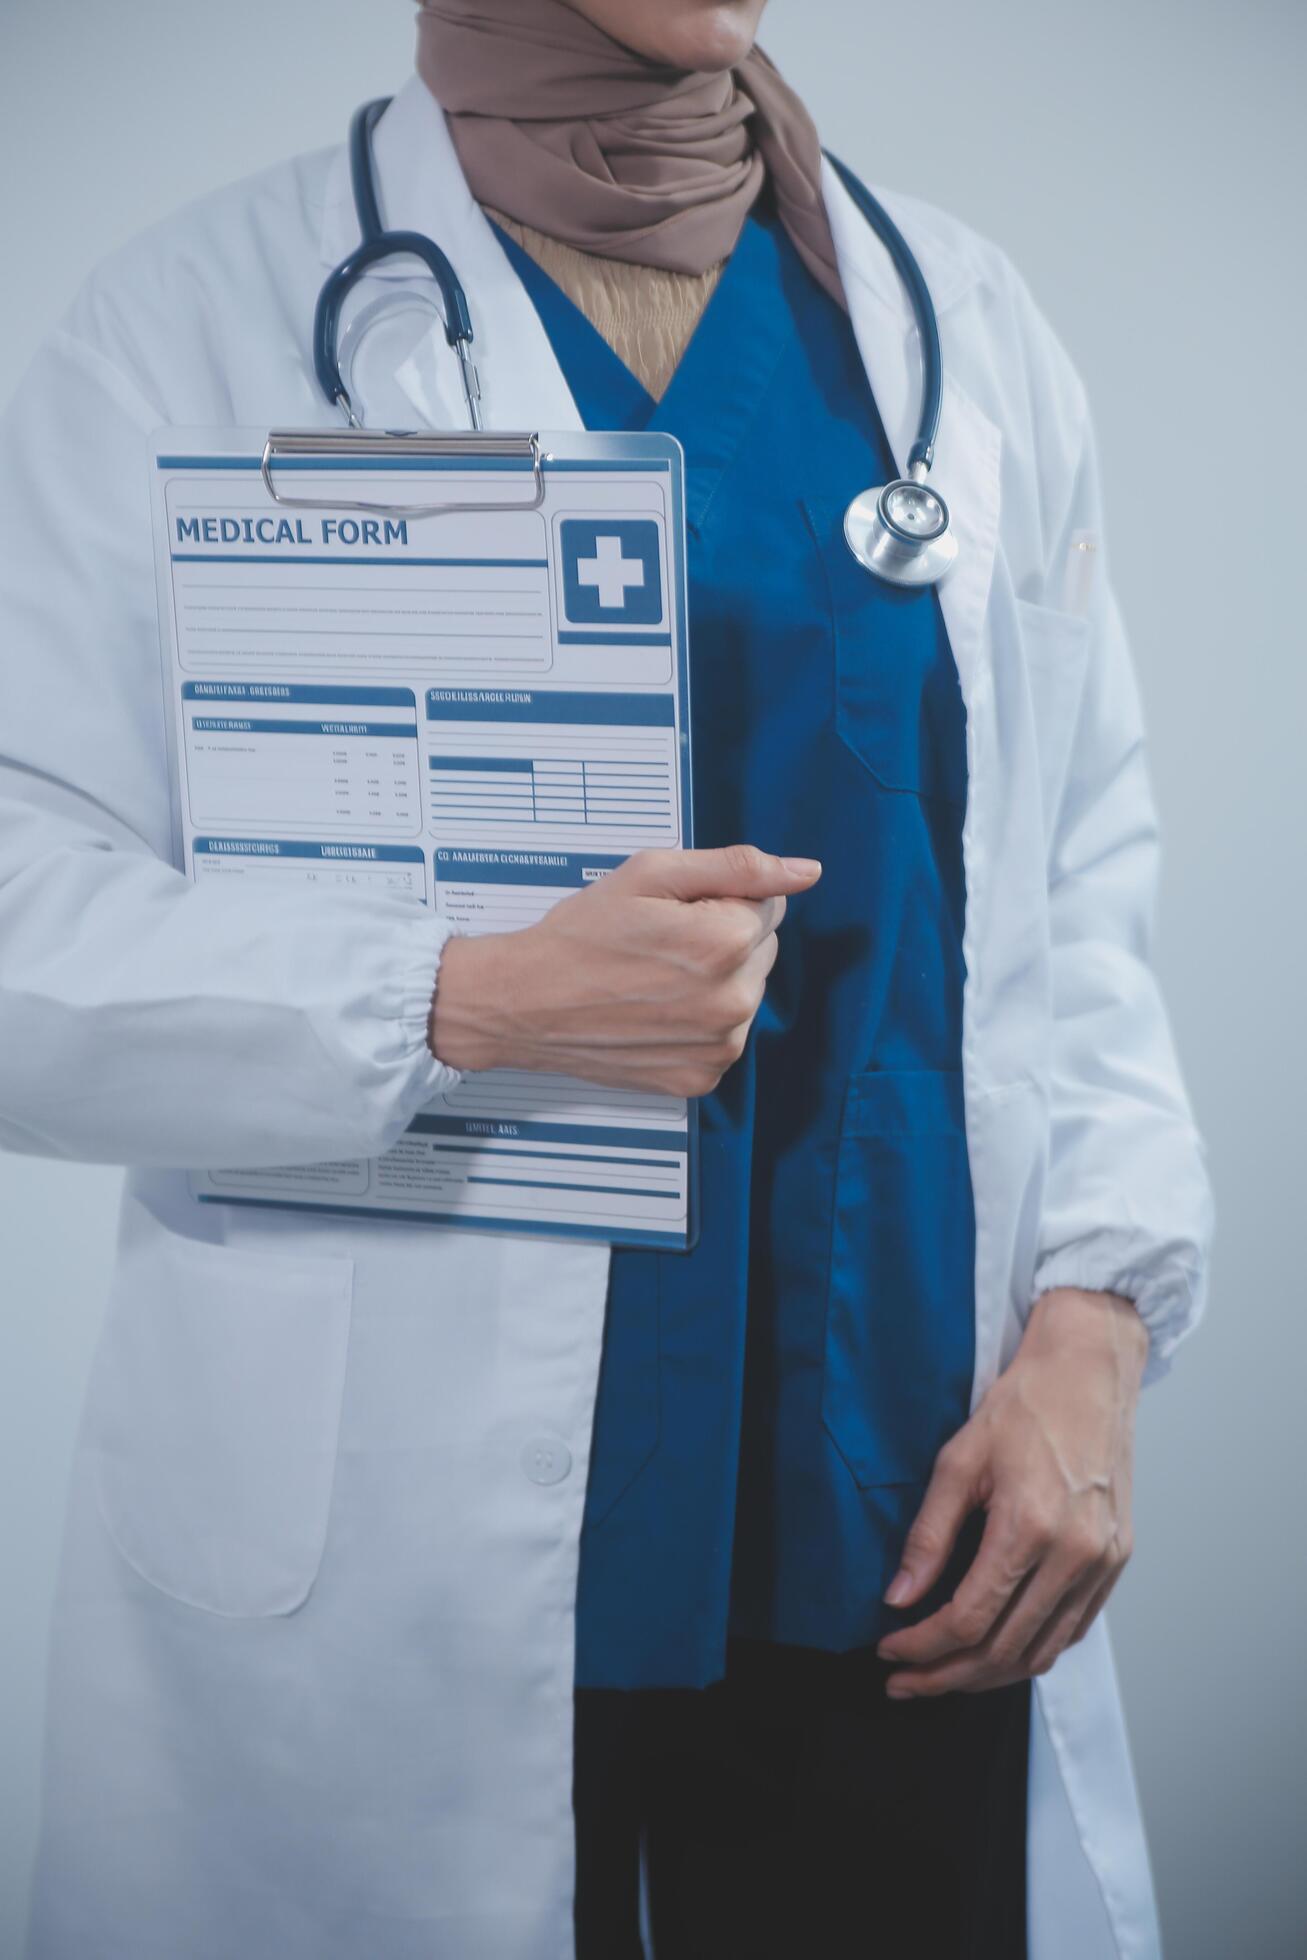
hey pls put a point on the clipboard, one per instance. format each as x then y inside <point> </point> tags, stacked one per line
<point>450,668</point>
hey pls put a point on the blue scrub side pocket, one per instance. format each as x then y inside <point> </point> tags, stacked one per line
<point>628,1407</point>
<point>900,1325</point>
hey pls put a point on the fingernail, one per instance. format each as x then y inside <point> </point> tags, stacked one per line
<point>900,1588</point>
<point>802,867</point>
<point>896,1693</point>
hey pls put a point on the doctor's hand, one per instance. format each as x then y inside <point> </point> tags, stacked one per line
<point>1048,1457</point>
<point>647,979</point>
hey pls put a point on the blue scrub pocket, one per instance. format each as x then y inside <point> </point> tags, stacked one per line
<point>900,1328</point>
<point>898,705</point>
<point>627,1410</point>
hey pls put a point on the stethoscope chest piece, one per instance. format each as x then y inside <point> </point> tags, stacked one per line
<point>902,532</point>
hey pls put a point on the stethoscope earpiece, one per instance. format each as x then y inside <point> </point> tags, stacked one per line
<point>376,244</point>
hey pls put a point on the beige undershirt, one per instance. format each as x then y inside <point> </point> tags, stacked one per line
<point>646,314</point>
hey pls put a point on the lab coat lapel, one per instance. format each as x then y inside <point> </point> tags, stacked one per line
<point>969,446</point>
<point>422,188</point>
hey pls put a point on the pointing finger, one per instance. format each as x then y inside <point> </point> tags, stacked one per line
<point>736,871</point>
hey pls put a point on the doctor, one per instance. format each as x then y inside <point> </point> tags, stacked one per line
<point>414,1578</point>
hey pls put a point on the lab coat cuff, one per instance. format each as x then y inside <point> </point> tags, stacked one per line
<point>1168,1300</point>
<point>417,983</point>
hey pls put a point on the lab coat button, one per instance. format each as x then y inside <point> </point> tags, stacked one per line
<point>546,1460</point>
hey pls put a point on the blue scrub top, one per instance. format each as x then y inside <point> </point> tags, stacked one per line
<point>771,1403</point>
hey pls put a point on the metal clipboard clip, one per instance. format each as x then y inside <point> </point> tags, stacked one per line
<point>382,444</point>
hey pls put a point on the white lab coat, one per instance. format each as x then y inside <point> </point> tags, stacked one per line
<point>311,1686</point>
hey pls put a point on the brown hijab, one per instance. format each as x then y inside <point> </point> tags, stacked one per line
<point>568,131</point>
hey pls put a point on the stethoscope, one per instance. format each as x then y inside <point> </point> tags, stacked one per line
<point>900,530</point>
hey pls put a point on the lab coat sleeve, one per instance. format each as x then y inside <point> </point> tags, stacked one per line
<point>144,1020</point>
<point>1127,1206</point>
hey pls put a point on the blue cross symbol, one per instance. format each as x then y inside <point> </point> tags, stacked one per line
<point>611,573</point>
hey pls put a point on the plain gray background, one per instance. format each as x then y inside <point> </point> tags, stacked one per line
<point>1144,166</point>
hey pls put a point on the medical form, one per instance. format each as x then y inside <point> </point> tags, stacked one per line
<point>479,708</point>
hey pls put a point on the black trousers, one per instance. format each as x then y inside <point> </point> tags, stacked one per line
<point>793,1812</point>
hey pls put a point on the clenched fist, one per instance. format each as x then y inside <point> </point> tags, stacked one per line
<point>648,979</point>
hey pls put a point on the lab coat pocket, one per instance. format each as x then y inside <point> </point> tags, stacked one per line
<point>213,1419</point>
<point>897,703</point>
<point>900,1329</point>
<point>1055,647</point>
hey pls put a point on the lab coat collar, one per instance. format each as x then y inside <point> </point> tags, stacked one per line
<point>422,188</point>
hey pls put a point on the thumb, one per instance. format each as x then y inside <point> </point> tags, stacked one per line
<point>949,1500</point>
<point>735,871</point>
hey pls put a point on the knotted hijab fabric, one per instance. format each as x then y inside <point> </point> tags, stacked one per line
<point>566,130</point>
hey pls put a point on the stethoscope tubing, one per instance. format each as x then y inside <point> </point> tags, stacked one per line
<point>362,179</point>
<point>874,538</point>
<point>376,244</point>
<point>923,309</point>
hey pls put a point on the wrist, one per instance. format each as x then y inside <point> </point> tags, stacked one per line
<point>468,1025</point>
<point>1071,1316</point>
